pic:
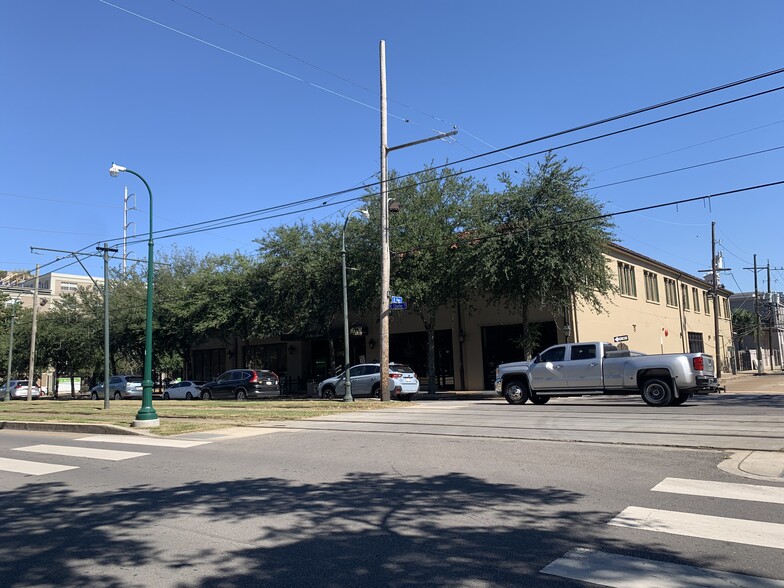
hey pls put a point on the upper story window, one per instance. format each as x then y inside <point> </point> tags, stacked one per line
<point>68,287</point>
<point>626,280</point>
<point>671,292</point>
<point>685,296</point>
<point>696,296</point>
<point>706,299</point>
<point>651,286</point>
<point>725,302</point>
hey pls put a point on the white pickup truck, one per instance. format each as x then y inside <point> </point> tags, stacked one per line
<point>580,369</point>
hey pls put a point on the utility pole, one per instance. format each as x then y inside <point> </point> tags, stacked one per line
<point>106,368</point>
<point>770,321</point>
<point>385,250</point>
<point>757,320</point>
<point>714,270</point>
<point>715,300</point>
<point>127,224</point>
<point>31,371</point>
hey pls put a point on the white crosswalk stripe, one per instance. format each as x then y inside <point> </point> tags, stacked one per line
<point>621,571</point>
<point>31,468</point>
<point>607,569</point>
<point>35,468</point>
<point>721,490</point>
<point>89,452</point>
<point>757,533</point>
<point>149,441</point>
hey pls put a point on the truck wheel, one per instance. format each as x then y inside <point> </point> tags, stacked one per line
<point>657,392</point>
<point>516,392</point>
<point>539,399</point>
<point>680,400</point>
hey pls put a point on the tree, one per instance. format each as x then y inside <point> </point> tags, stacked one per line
<point>431,261</point>
<point>542,243</point>
<point>744,323</point>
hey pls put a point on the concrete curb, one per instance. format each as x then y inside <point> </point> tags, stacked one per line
<point>94,428</point>
<point>757,465</point>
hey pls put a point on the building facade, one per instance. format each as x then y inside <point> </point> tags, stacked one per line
<point>655,308</point>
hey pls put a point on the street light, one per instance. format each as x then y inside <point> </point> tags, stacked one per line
<point>146,417</point>
<point>348,397</point>
<point>7,394</point>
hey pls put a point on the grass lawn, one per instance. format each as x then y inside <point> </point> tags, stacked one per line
<point>181,416</point>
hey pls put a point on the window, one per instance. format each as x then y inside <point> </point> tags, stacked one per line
<point>651,287</point>
<point>695,343</point>
<point>626,281</point>
<point>554,354</point>
<point>696,295</point>
<point>583,352</point>
<point>706,299</point>
<point>726,304</point>
<point>671,292</point>
<point>68,287</point>
<point>685,296</point>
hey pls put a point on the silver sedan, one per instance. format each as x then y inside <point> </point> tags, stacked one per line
<point>185,390</point>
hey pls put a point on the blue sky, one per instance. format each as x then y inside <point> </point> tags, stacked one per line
<point>234,106</point>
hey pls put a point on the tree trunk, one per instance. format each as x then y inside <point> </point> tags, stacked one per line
<point>432,378</point>
<point>71,375</point>
<point>55,387</point>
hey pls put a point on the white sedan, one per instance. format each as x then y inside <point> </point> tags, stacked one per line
<point>185,390</point>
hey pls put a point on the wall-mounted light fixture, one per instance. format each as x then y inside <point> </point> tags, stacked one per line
<point>372,343</point>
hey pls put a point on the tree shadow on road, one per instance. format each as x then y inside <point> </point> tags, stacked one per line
<point>364,529</point>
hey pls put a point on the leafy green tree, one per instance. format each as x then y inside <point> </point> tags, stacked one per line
<point>302,264</point>
<point>431,262</point>
<point>744,323</point>
<point>542,243</point>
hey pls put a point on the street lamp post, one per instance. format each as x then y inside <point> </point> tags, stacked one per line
<point>347,397</point>
<point>7,394</point>
<point>146,417</point>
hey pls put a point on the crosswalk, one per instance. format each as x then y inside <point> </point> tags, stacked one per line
<point>86,450</point>
<point>621,571</point>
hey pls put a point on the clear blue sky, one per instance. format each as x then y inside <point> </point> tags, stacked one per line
<point>251,104</point>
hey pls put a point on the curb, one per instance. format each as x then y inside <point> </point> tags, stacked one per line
<point>757,465</point>
<point>95,428</point>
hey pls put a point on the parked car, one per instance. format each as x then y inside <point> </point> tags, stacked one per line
<point>185,390</point>
<point>19,389</point>
<point>119,387</point>
<point>366,381</point>
<point>242,384</point>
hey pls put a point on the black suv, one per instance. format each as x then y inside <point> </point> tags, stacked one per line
<point>242,384</point>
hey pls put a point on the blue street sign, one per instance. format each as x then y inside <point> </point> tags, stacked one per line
<point>396,299</point>
<point>398,306</point>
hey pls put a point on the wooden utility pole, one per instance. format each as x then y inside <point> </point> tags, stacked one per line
<point>385,256</point>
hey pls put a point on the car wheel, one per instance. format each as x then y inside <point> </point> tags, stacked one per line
<point>166,396</point>
<point>376,391</point>
<point>328,392</point>
<point>205,395</point>
<point>241,394</point>
<point>682,399</point>
<point>657,392</point>
<point>188,396</point>
<point>94,396</point>
<point>117,396</point>
<point>516,392</point>
<point>539,399</point>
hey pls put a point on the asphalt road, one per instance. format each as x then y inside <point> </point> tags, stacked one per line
<point>414,495</point>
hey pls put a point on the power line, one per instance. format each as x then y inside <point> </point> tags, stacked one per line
<point>368,187</point>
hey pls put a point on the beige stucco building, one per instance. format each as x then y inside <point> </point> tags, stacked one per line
<point>655,308</point>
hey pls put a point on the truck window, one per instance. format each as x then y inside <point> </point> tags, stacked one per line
<point>554,354</point>
<point>583,352</point>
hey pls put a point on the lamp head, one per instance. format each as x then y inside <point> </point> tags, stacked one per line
<point>364,212</point>
<point>115,170</point>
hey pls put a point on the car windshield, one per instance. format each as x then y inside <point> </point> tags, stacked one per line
<point>399,367</point>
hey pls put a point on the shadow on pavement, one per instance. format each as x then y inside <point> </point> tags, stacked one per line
<point>365,529</point>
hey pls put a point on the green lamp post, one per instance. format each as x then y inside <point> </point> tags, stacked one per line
<point>146,417</point>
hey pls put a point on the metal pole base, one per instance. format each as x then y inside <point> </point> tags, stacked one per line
<point>147,424</point>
